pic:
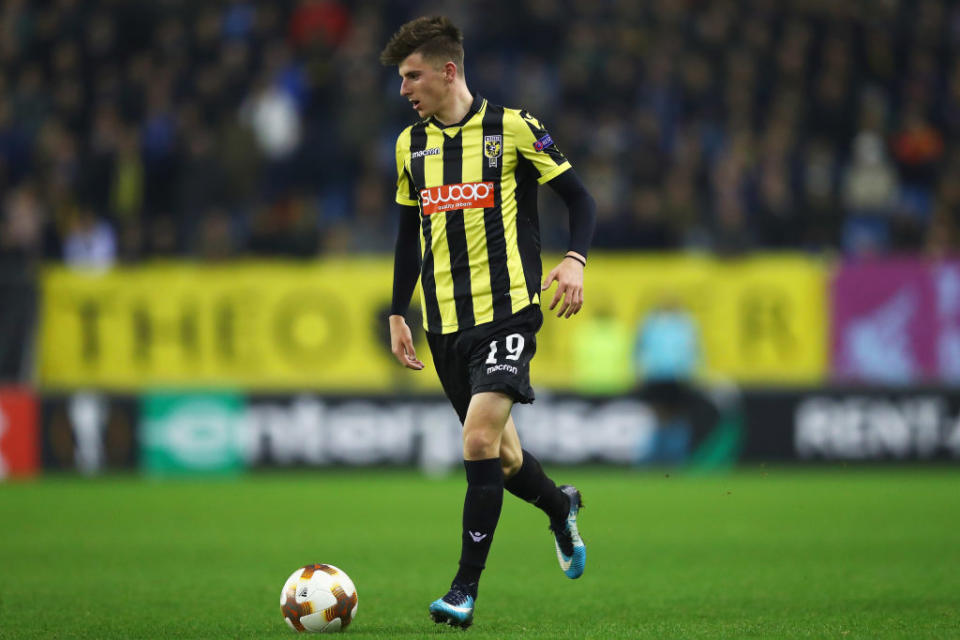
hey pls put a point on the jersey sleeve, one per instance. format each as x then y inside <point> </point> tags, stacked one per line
<point>405,192</point>
<point>535,144</point>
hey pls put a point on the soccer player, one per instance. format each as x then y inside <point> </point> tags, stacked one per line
<point>467,176</point>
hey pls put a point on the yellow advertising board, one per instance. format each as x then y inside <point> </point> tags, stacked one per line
<point>762,320</point>
<point>258,325</point>
<point>322,325</point>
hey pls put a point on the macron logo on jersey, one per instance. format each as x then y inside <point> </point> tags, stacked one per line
<point>426,152</point>
<point>454,197</point>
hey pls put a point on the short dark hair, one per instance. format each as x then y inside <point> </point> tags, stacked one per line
<point>434,37</point>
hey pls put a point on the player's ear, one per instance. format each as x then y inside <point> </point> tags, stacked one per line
<point>450,71</point>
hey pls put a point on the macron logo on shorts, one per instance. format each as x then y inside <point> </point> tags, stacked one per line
<point>456,197</point>
<point>500,368</point>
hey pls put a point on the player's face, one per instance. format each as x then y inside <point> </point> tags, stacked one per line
<point>426,87</point>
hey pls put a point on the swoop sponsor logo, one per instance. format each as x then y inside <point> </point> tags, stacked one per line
<point>453,197</point>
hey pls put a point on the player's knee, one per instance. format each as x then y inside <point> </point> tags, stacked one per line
<point>480,444</point>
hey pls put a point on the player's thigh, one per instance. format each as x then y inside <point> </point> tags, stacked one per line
<point>486,420</point>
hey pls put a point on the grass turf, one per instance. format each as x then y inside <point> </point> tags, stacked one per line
<point>761,553</point>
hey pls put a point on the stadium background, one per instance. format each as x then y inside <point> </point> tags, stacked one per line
<point>196,227</point>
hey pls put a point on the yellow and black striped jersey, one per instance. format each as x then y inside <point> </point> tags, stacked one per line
<point>475,183</point>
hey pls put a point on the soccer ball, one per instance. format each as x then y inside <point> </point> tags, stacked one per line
<point>318,597</point>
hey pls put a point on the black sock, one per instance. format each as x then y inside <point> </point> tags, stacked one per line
<point>534,486</point>
<point>481,512</point>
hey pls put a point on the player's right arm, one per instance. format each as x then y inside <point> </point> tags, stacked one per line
<point>406,270</point>
<point>406,261</point>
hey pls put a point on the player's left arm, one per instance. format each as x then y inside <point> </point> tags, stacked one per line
<point>536,145</point>
<point>583,219</point>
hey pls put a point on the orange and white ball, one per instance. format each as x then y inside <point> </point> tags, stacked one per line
<point>318,598</point>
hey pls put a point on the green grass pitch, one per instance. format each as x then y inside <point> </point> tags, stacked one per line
<point>760,553</point>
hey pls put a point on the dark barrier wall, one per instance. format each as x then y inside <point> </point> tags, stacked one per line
<point>172,432</point>
<point>89,432</point>
<point>857,424</point>
<point>223,432</point>
<point>18,300</point>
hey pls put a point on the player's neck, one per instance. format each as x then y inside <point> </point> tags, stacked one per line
<point>457,106</point>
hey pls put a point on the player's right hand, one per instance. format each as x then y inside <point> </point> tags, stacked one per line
<point>401,343</point>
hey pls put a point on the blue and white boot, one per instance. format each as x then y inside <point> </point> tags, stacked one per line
<point>571,552</point>
<point>455,608</point>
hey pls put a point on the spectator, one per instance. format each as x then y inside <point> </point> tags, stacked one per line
<point>869,194</point>
<point>21,228</point>
<point>918,147</point>
<point>272,115</point>
<point>729,125</point>
<point>90,241</point>
<point>216,236</point>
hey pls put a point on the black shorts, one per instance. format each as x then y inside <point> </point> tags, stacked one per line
<point>489,357</point>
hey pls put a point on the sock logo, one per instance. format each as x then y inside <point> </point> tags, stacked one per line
<point>477,536</point>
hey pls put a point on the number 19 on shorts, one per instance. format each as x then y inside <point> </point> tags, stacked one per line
<point>514,347</point>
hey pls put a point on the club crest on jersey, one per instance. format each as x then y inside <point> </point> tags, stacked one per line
<point>492,148</point>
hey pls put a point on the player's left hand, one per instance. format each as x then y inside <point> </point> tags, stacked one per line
<point>569,277</point>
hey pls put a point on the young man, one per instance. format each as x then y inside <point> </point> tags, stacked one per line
<point>467,176</point>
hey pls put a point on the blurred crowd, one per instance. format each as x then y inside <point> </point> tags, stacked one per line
<point>133,130</point>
